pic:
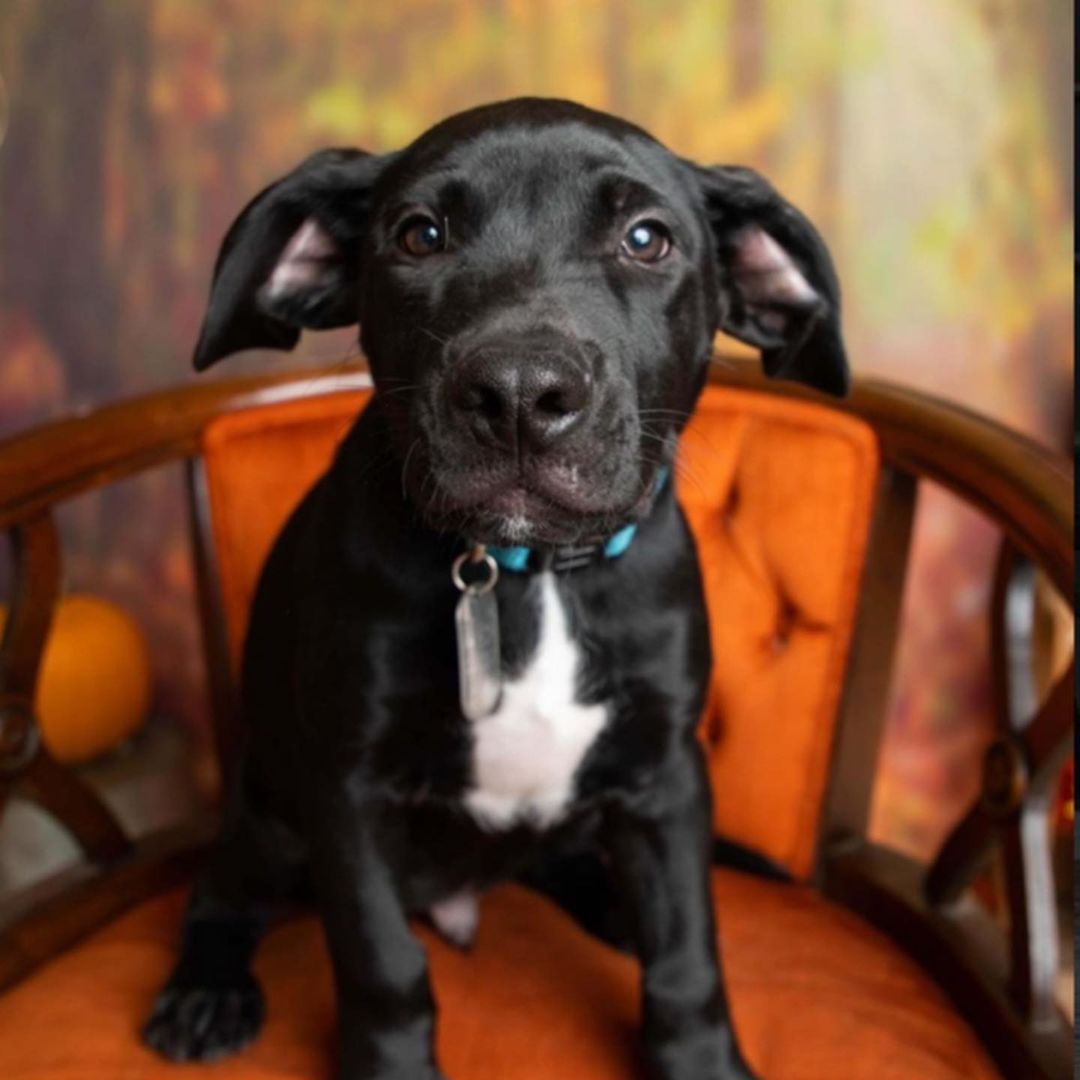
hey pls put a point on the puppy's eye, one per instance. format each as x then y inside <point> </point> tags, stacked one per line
<point>421,236</point>
<point>647,241</point>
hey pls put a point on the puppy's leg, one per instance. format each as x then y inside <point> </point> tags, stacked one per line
<point>212,1004</point>
<point>660,848</point>
<point>386,1012</point>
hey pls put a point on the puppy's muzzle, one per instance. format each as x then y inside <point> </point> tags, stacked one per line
<point>518,399</point>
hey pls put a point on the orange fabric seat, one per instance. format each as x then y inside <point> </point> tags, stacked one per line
<point>817,995</point>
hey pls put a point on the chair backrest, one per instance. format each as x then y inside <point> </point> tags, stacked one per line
<point>779,494</point>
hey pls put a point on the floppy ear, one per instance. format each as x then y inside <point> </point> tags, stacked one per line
<point>777,283</point>
<point>292,258</point>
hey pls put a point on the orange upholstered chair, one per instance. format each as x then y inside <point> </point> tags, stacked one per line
<point>865,965</point>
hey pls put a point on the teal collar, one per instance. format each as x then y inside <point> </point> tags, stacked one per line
<point>520,560</point>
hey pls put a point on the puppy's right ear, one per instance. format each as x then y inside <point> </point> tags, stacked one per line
<point>292,258</point>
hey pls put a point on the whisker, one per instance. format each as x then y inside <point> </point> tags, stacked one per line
<point>681,414</point>
<point>384,394</point>
<point>678,464</point>
<point>438,338</point>
<point>719,361</point>
<point>405,467</point>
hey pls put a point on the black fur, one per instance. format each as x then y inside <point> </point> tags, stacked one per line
<point>531,378</point>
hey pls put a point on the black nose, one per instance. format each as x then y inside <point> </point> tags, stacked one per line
<point>520,399</point>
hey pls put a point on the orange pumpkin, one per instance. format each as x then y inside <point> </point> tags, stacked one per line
<point>94,685</point>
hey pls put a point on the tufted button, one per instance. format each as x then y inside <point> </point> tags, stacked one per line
<point>731,506</point>
<point>786,618</point>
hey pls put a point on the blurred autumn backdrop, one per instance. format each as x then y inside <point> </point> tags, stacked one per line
<point>929,139</point>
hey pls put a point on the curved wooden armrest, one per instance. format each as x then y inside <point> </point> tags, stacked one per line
<point>44,466</point>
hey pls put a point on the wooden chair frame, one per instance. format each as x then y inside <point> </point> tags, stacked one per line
<point>1003,984</point>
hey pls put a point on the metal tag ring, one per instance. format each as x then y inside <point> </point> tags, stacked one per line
<point>477,588</point>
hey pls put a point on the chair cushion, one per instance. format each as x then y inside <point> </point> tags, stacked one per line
<point>817,994</point>
<point>778,493</point>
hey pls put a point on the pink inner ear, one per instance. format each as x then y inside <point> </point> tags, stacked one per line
<point>765,273</point>
<point>301,264</point>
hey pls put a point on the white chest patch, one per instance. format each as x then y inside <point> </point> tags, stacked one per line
<point>526,754</point>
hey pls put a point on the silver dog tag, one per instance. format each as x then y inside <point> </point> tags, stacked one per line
<point>478,648</point>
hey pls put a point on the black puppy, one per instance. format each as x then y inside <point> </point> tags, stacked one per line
<point>537,286</point>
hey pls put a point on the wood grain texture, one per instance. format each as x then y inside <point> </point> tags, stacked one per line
<point>26,761</point>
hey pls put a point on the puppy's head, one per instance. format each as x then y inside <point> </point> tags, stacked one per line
<point>537,287</point>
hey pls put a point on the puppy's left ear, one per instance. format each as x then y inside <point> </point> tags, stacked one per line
<point>778,288</point>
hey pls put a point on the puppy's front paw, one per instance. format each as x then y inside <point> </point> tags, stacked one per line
<point>203,1023</point>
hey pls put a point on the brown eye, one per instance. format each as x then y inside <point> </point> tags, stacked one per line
<point>647,241</point>
<point>421,236</point>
